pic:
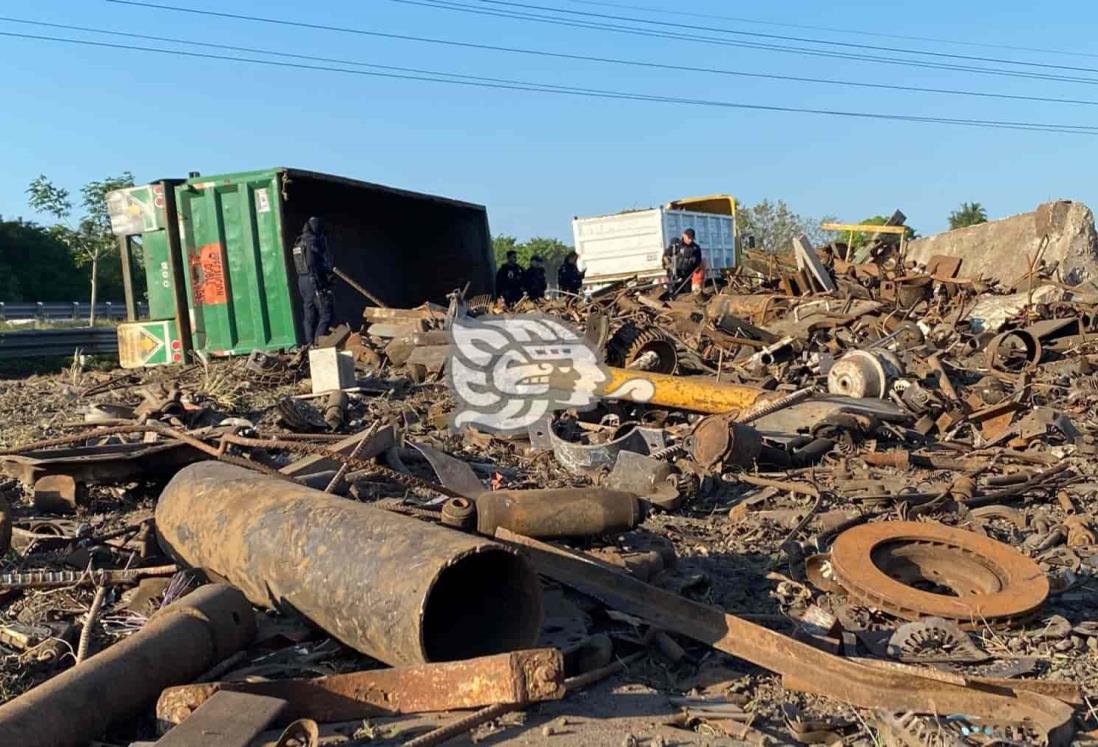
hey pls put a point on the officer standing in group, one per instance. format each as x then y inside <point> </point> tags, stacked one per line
<point>681,260</point>
<point>314,280</point>
<point>509,279</point>
<point>570,276</point>
<point>534,281</point>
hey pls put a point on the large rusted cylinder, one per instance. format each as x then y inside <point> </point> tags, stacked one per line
<point>398,589</point>
<point>558,513</point>
<point>176,646</point>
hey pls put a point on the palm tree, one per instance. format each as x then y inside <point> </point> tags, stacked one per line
<point>969,214</point>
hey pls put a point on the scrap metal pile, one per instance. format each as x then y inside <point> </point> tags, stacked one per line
<point>854,504</point>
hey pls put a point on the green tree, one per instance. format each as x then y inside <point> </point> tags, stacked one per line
<point>35,266</point>
<point>90,239</point>
<point>774,225</point>
<point>969,214</point>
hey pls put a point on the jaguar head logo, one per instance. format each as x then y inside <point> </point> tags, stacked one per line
<point>507,372</point>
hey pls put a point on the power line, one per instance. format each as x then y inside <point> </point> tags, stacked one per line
<point>835,29</point>
<point>782,37</point>
<point>398,73</point>
<point>575,57</point>
<point>632,30</point>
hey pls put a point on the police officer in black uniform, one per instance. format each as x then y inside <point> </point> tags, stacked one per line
<point>314,279</point>
<point>509,279</point>
<point>534,280</point>
<point>570,276</point>
<point>681,259</point>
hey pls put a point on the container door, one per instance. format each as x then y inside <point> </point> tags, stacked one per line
<point>614,247</point>
<point>715,233</point>
<point>237,278</point>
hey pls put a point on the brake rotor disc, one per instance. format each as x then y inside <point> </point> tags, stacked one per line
<point>912,570</point>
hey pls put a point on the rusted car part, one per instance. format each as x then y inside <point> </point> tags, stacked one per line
<point>801,416</point>
<point>92,464</point>
<point>986,581</point>
<point>335,410</point>
<point>414,593</point>
<point>236,718</point>
<point>933,639</point>
<point>651,479</point>
<point>720,439</point>
<point>520,677</point>
<point>642,349</point>
<point>580,458</point>
<point>62,579</point>
<point>1013,351</point>
<point>550,513</point>
<point>1052,426</point>
<point>864,373</point>
<point>558,512</point>
<point>802,667</point>
<point>697,394</point>
<point>177,645</point>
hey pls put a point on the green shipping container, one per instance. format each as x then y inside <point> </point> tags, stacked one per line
<point>216,256</point>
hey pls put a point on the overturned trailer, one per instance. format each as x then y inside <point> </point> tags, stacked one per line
<point>216,256</point>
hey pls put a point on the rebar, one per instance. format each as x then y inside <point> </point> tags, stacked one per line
<point>756,412</point>
<point>62,579</point>
<point>90,623</point>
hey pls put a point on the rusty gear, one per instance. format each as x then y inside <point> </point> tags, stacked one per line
<point>630,343</point>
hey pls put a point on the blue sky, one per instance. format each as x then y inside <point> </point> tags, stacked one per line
<point>80,113</point>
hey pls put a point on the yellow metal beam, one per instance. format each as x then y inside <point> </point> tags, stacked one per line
<point>695,393</point>
<point>864,228</point>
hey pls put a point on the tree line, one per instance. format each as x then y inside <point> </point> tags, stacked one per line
<point>73,259</point>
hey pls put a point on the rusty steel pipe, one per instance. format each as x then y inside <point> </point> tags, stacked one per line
<point>177,645</point>
<point>398,589</point>
<point>559,512</point>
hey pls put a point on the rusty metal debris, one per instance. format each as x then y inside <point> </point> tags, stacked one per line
<point>558,512</point>
<point>971,579</point>
<point>516,678</point>
<point>177,645</point>
<point>418,593</point>
<point>801,666</point>
<point>236,718</point>
<point>933,639</point>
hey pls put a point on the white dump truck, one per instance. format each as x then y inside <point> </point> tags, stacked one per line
<point>631,244</point>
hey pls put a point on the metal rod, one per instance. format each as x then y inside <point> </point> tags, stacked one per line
<point>89,624</point>
<point>354,284</point>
